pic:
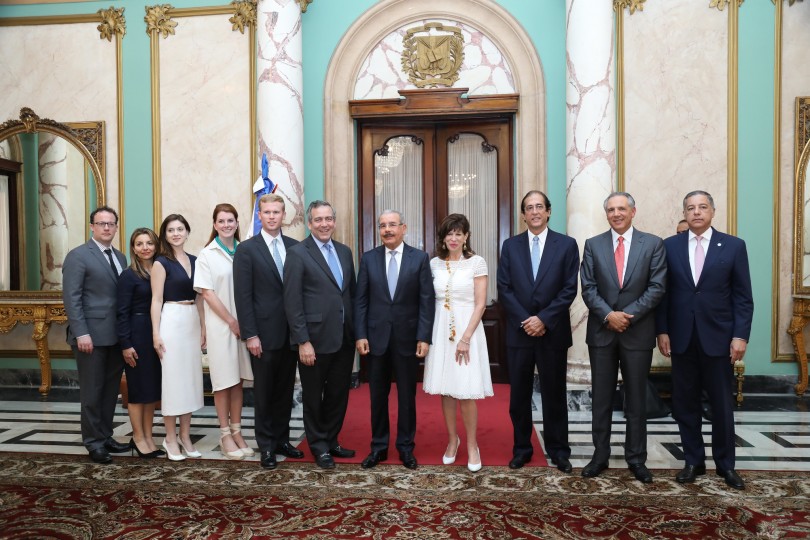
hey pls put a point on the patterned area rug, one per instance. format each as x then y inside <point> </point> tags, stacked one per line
<point>56,496</point>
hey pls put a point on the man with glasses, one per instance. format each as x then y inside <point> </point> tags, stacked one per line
<point>394,310</point>
<point>89,284</point>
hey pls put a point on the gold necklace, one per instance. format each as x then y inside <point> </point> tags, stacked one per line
<point>447,304</point>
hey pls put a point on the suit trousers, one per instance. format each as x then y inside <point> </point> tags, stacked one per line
<point>635,366</point>
<point>273,387</point>
<point>552,365</point>
<point>325,388</point>
<point>693,371</point>
<point>380,369</point>
<point>99,383</point>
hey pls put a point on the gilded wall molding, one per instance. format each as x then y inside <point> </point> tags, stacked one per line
<point>777,180</point>
<point>721,4</point>
<point>432,59</point>
<point>802,126</point>
<point>244,15</point>
<point>304,5</point>
<point>631,5</point>
<point>112,24</point>
<point>159,21</point>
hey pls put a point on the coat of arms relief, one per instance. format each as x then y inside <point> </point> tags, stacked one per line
<point>432,54</point>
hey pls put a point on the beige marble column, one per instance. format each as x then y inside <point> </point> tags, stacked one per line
<point>53,212</point>
<point>279,108</point>
<point>591,142</point>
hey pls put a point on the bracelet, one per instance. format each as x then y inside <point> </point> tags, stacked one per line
<point>462,340</point>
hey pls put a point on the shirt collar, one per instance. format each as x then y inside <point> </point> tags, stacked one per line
<point>707,235</point>
<point>321,244</point>
<point>268,238</point>
<point>542,236</point>
<point>101,246</point>
<point>399,249</point>
<point>628,235</point>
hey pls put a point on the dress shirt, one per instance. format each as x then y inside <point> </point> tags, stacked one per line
<point>116,262</point>
<point>628,239</point>
<point>268,239</point>
<point>325,253</point>
<point>399,249</point>
<point>707,241</point>
<point>542,240</point>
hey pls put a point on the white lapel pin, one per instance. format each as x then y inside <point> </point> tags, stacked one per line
<point>719,244</point>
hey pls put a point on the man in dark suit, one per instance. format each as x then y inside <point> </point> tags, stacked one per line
<point>394,310</point>
<point>537,282</point>
<point>319,285</point>
<point>89,289</point>
<point>258,270</point>
<point>704,323</point>
<point>623,276</point>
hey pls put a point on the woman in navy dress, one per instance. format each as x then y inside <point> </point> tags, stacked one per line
<point>135,337</point>
<point>178,335</point>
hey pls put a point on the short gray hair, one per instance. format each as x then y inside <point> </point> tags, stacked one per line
<point>698,192</point>
<point>390,211</point>
<point>630,200</point>
<point>318,204</point>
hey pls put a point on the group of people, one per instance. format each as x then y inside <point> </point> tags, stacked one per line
<point>269,305</point>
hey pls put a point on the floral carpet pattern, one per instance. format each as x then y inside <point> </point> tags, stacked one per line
<point>68,497</point>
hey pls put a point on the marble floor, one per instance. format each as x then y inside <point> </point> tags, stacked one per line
<point>773,433</point>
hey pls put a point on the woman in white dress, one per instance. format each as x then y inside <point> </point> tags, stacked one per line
<point>228,360</point>
<point>178,335</point>
<point>457,366</point>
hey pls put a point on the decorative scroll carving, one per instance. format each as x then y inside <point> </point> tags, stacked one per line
<point>244,15</point>
<point>791,2</point>
<point>432,59</point>
<point>721,4</point>
<point>632,5</point>
<point>802,125</point>
<point>801,316</point>
<point>112,24</point>
<point>158,20</point>
<point>304,4</point>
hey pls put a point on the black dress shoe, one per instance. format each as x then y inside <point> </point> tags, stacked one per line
<point>732,478</point>
<point>289,450</point>
<point>339,451</point>
<point>374,458</point>
<point>641,472</point>
<point>593,469</point>
<point>563,464</point>
<point>100,455</point>
<point>325,461</point>
<point>116,447</point>
<point>689,473</point>
<point>268,460</point>
<point>519,461</point>
<point>408,460</point>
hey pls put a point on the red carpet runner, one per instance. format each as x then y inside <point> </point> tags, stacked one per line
<point>494,429</point>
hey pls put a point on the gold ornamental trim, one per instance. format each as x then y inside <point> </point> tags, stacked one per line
<point>431,59</point>
<point>159,21</point>
<point>244,15</point>
<point>631,5</point>
<point>733,113</point>
<point>721,4</point>
<point>304,5</point>
<point>113,23</point>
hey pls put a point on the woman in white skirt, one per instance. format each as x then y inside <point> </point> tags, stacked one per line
<point>457,365</point>
<point>178,334</point>
<point>228,360</point>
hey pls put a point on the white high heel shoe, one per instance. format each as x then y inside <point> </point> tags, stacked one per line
<point>234,454</point>
<point>449,460</point>
<point>172,457</point>
<point>189,453</point>
<point>246,451</point>
<point>475,467</point>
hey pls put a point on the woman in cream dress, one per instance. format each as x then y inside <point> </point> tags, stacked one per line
<point>228,360</point>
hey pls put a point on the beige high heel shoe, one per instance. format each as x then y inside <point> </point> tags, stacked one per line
<point>234,454</point>
<point>246,450</point>
<point>475,467</point>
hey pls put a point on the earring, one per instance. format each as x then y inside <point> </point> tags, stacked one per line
<point>444,245</point>
<point>464,247</point>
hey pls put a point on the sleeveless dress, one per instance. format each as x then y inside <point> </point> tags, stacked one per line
<point>443,375</point>
<point>182,391</point>
<point>135,330</point>
<point>228,358</point>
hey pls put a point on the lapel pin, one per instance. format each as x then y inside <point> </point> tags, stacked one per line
<point>719,244</point>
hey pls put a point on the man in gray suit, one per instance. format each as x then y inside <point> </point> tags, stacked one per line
<point>258,269</point>
<point>89,282</point>
<point>623,277</point>
<point>319,285</point>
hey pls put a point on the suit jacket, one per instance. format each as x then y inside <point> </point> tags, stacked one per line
<point>642,290</point>
<point>317,309</point>
<point>258,292</point>
<point>412,309</point>
<point>720,305</point>
<point>89,290</point>
<point>548,296</point>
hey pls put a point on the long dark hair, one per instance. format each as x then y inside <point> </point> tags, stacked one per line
<point>166,249</point>
<point>136,263</point>
<point>223,207</point>
<point>453,222</point>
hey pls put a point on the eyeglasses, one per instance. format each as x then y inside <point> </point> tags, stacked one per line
<point>106,224</point>
<point>538,207</point>
<point>389,225</point>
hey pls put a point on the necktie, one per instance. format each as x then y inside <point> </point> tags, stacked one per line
<point>393,273</point>
<point>618,255</point>
<point>108,252</point>
<point>535,255</point>
<point>277,259</point>
<point>332,261</point>
<point>700,257</point>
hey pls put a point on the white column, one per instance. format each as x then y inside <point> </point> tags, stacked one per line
<point>53,222</point>
<point>591,142</point>
<point>280,106</point>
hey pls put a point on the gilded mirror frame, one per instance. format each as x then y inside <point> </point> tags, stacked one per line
<point>800,190</point>
<point>87,138</point>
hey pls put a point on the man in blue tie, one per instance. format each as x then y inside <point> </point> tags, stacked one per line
<point>537,282</point>
<point>319,285</point>
<point>394,310</point>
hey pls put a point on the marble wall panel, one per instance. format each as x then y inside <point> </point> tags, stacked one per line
<point>205,123</point>
<point>795,82</point>
<point>484,71</point>
<point>676,112</point>
<point>64,72</point>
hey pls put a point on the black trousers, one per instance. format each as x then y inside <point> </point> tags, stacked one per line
<point>380,369</point>
<point>692,372</point>
<point>552,365</point>
<point>99,383</point>
<point>635,366</point>
<point>325,388</point>
<point>273,387</point>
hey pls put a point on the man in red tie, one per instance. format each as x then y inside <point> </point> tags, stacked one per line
<point>704,322</point>
<point>623,275</point>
